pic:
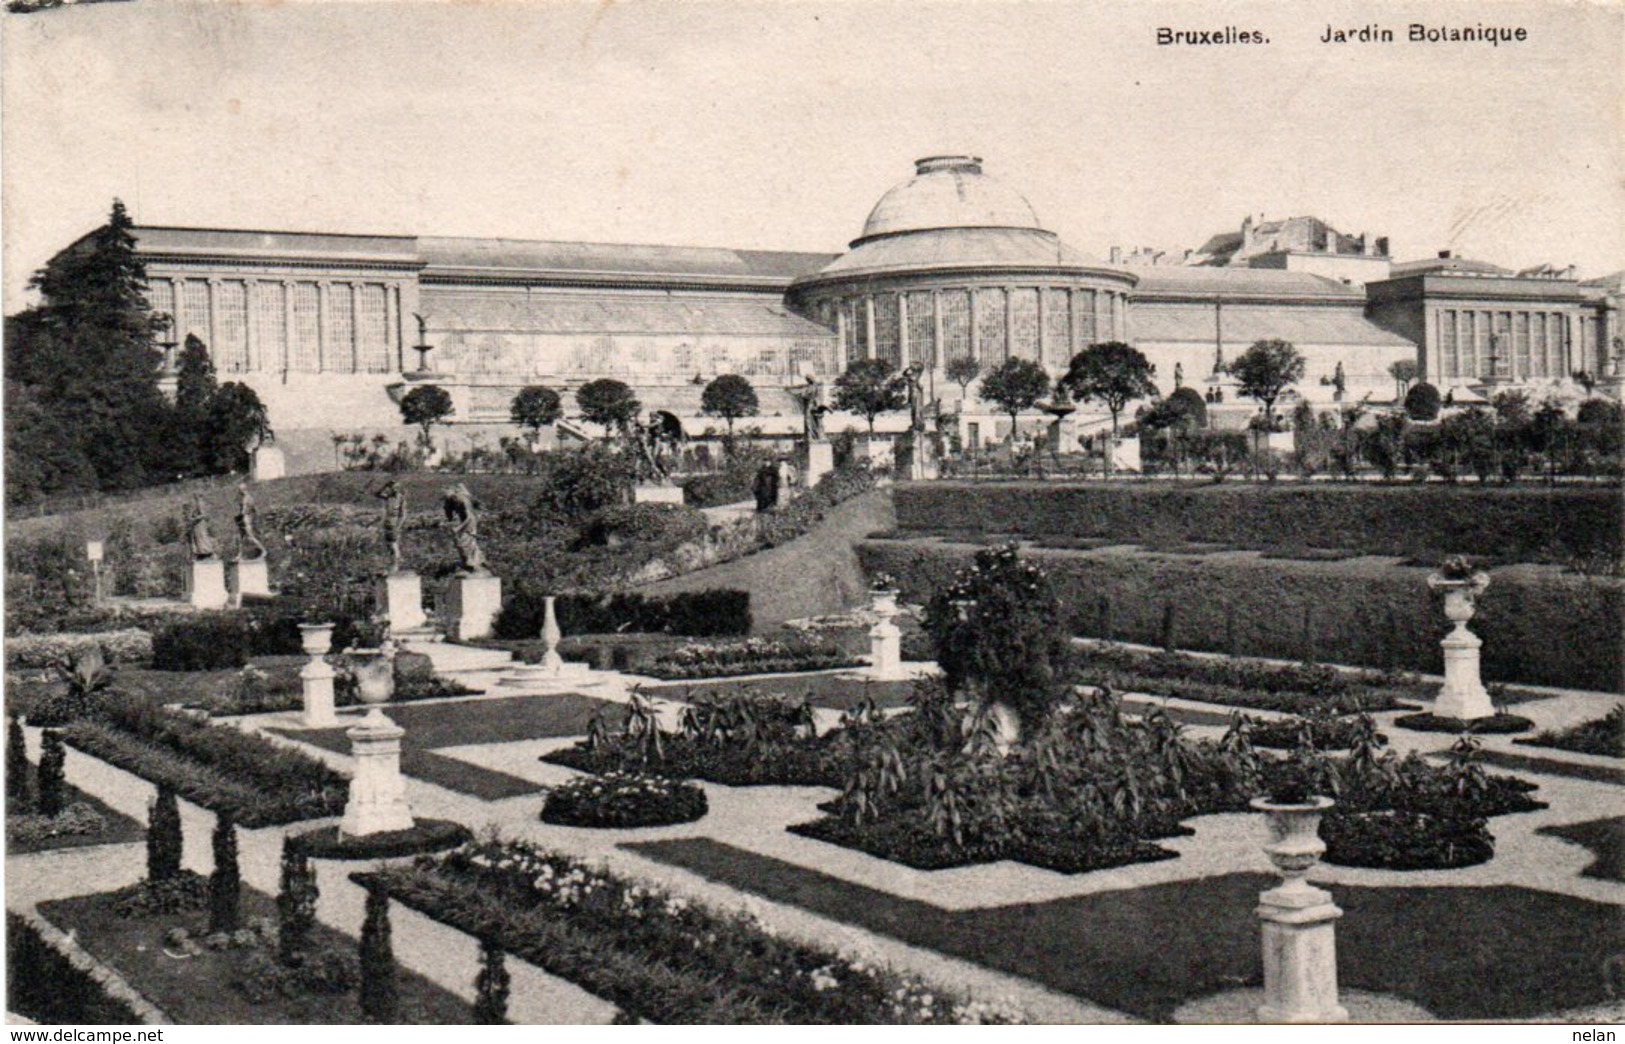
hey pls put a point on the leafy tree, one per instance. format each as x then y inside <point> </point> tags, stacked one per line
<point>1422,402</point>
<point>962,371</point>
<point>581,482</point>
<point>87,353</point>
<point>1015,385</point>
<point>164,835</point>
<point>491,986</point>
<point>534,408</point>
<point>195,389</point>
<point>43,454</point>
<point>425,406</point>
<point>1267,369</point>
<point>1112,373</point>
<point>1512,408</point>
<point>1469,437</point>
<point>380,990</point>
<point>730,397</point>
<point>1404,372</point>
<point>225,883</point>
<point>871,387</point>
<point>17,766</point>
<point>295,903</point>
<point>237,425</point>
<point>609,402</point>
<point>1187,405</point>
<point>53,780</point>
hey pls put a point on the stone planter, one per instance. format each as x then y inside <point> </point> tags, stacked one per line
<point>377,790</point>
<point>316,638</point>
<point>1297,920</point>
<point>374,671</point>
<point>1463,695</point>
<point>884,602</point>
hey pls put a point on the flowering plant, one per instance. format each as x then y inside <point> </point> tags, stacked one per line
<point>624,800</point>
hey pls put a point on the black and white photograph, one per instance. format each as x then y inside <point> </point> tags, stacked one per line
<point>804,512</point>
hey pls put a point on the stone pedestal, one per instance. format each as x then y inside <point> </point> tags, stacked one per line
<point>1463,695</point>
<point>400,599</point>
<point>652,494</point>
<point>269,463</point>
<point>378,790</point>
<point>1125,454</point>
<point>206,584</point>
<point>885,640</point>
<point>316,681</point>
<point>472,604</point>
<point>820,461</point>
<point>1297,922</point>
<point>253,578</point>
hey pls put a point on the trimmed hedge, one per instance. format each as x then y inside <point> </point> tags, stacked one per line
<point>44,985</point>
<point>1538,627</point>
<point>1426,521</point>
<point>695,614</point>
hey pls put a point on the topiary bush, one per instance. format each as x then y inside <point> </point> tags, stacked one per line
<point>491,986</point>
<point>17,767</point>
<point>225,883</point>
<point>53,780</point>
<point>164,837</point>
<point>295,903</point>
<point>995,633</point>
<point>380,988</point>
<point>1422,402</point>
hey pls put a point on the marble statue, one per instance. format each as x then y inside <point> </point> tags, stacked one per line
<point>460,507</point>
<point>394,521</point>
<point>249,544</point>
<point>198,537</point>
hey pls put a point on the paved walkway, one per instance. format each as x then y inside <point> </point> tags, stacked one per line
<point>754,819</point>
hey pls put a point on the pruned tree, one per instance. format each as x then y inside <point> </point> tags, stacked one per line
<point>1016,385</point>
<point>1265,370</point>
<point>1111,373</point>
<point>609,402</point>
<point>962,370</point>
<point>534,408</point>
<point>1404,372</point>
<point>730,397</point>
<point>226,882</point>
<point>870,387</point>
<point>425,406</point>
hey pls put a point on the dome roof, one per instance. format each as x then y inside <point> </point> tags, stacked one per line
<point>948,192</point>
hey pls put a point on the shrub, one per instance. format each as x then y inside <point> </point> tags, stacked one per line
<point>662,525</point>
<point>424,835</point>
<point>1422,402</point>
<point>295,903</point>
<point>491,986</point>
<point>580,482</point>
<point>225,883</point>
<point>691,613</point>
<point>164,839</point>
<point>993,628</point>
<point>44,985</point>
<point>53,780</point>
<point>750,656</point>
<point>207,643</point>
<point>1530,623</point>
<point>1603,736</point>
<point>380,990</point>
<point>17,766</point>
<point>76,820</point>
<point>1392,839</point>
<point>1427,522</point>
<point>37,651</point>
<point>623,801</point>
<point>184,893</point>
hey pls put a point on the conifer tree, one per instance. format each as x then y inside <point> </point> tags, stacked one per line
<point>295,902</point>
<point>17,767</point>
<point>380,992</point>
<point>164,837</point>
<point>225,883</point>
<point>491,986</point>
<point>52,776</point>
<point>195,388</point>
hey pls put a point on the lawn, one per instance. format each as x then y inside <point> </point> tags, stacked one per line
<point>1605,838</point>
<point>471,723</point>
<point>1499,952</point>
<point>118,829</point>
<point>199,990</point>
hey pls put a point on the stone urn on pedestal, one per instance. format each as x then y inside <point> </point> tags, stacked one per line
<point>1297,919</point>
<point>316,677</point>
<point>377,791</point>
<point>885,637</point>
<point>1463,695</point>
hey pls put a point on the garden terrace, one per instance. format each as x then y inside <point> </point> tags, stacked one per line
<point>658,957</point>
<point>255,781</point>
<point>1539,627</point>
<point>1427,523</point>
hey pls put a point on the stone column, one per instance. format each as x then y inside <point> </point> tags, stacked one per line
<point>288,334</point>
<point>206,584</point>
<point>868,326</point>
<point>251,335</point>
<point>975,336</point>
<point>378,790</point>
<point>324,328</point>
<point>1043,307</point>
<point>840,336</point>
<point>1074,332</point>
<point>214,321</point>
<point>1010,322</point>
<point>400,596</point>
<point>904,355</point>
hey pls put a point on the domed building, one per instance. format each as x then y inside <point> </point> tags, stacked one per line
<point>953,264</point>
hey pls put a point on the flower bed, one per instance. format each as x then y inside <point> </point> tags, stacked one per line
<point>659,957</point>
<point>33,831</point>
<point>1495,724</point>
<point>750,656</point>
<point>255,781</point>
<point>1604,736</point>
<point>38,651</point>
<point>1323,732</point>
<point>1391,839</point>
<point>425,835</point>
<point>623,800</point>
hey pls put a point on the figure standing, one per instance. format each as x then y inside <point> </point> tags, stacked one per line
<point>198,538</point>
<point>1179,375</point>
<point>460,507</point>
<point>766,487</point>
<point>814,399</point>
<point>784,487</point>
<point>394,521</point>
<point>249,544</point>
<point>916,399</point>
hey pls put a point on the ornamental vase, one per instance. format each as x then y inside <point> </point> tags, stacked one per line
<point>316,638</point>
<point>550,635</point>
<point>1294,838</point>
<point>374,671</point>
<point>884,602</point>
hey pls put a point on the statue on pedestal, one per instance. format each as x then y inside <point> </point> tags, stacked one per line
<point>814,399</point>
<point>249,544</point>
<point>198,538</point>
<point>394,521</point>
<point>460,507</point>
<point>1179,375</point>
<point>916,399</point>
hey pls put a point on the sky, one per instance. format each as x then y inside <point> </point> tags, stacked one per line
<point>778,125</point>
